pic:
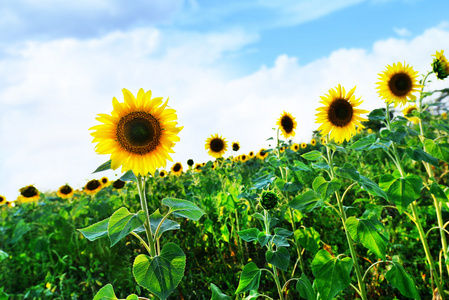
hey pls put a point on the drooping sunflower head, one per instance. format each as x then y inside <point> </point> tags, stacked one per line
<point>198,167</point>
<point>313,142</point>
<point>295,147</point>
<point>339,115</point>
<point>303,145</point>
<point>118,184</point>
<point>177,169</point>
<point>65,192</point>
<point>287,124</point>
<point>216,146</point>
<point>235,146</point>
<point>2,200</point>
<point>262,154</point>
<point>92,186</point>
<point>440,65</point>
<point>408,114</point>
<point>398,83</point>
<point>28,194</point>
<point>139,134</point>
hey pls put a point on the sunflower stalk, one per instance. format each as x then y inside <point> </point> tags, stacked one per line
<point>144,205</point>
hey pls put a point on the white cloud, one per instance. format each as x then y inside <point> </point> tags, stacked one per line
<point>50,93</point>
<point>402,32</point>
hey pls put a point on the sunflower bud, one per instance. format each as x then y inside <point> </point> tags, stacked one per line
<point>440,65</point>
<point>268,200</point>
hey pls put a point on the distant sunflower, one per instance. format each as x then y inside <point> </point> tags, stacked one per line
<point>65,192</point>
<point>235,146</point>
<point>313,142</point>
<point>28,194</point>
<point>177,169</point>
<point>440,65</point>
<point>323,141</point>
<point>105,181</point>
<point>139,134</point>
<point>303,145</point>
<point>198,167</point>
<point>444,115</point>
<point>408,111</point>
<point>2,200</point>
<point>162,173</point>
<point>370,131</point>
<point>359,129</point>
<point>190,162</point>
<point>216,146</point>
<point>214,165</point>
<point>251,154</point>
<point>287,124</point>
<point>262,154</point>
<point>339,115</point>
<point>398,83</point>
<point>295,147</point>
<point>11,203</point>
<point>92,186</point>
<point>282,149</point>
<point>118,184</point>
<point>243,157</point>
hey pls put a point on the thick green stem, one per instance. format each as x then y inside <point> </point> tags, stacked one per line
<point>143,203</point>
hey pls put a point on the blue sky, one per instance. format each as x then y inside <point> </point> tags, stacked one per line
<point>226,65</point>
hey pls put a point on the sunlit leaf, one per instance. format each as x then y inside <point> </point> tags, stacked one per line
<point>279,258</point>
<point>249,279</point>
<point>96,231</point>
<point>183,208</point>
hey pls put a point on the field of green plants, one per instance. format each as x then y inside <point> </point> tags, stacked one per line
<point>338,218</point>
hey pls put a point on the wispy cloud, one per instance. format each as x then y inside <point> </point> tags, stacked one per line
<point>402,32</point>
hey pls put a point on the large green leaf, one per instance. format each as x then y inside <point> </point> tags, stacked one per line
<point>96,231</point>
<point>3,255</point>
<point>305,289</point>
<point>418,154</point>
<point>183,208</point>
<point>103,167</point>
<point>122,222</point>
<point>437,191</point>
<point>106,293</point>
<point>440,151</point>
<point>217,294</point>
<point>348,171</point>
<point>155,221</point>
<point>162,273</point>
<point>399,278</point>
<point>263,239</point>
<point>363,142</point>
<point>325,188</point>
<point>308,238</point>
<point>280,258</point>
<point>396,135</point>
<point>249,235</point>
<point>368,234</point>
<point>306,202</point>
<point>249,279</point>
<point>371,187</point>
<point>312,155</point>
<point>402,191</point>
<point>331,274</point>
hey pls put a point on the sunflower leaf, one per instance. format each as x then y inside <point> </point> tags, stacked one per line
<point>249,279</point>
<point>183,208</point>
<point>122,222</point>
<point>95,231</point>
<point>217,293</point>
<point>312,155</point>
<point>106,293</point>
<point>104,167</point>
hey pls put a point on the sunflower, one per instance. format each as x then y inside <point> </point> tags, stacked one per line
<point>28,194</point>
<point>2,200</point>
<point>303,145</point>
<point>190,162</point>
<point>251,154</point>
<point>243,157</point>
<point>177,169</point>
<point>65,192</point>
<point>262,153</point>
<point>11,203</point>
<point>287,124</point>
<point>313,142</point>
<point>105,181</point>
<point>92,186</point>
<point>162,173</point>
<point>323,141</point>
<point>295,147</point>
<point>198,167</point>
<point>235,146</point>
<point>359,129</point>
<point>398,83</point>
<point>216,146</point>
<point>370,131</point>
<point>282,149</point>
<point>444,115</point>
<point>214,165</point>
<point>118,184</point>
<point>408,111</point>
<point>440,65</point>
<point>339,114</point>
<point>139,134</point>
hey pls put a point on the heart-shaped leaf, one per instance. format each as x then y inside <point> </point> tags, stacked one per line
<point>162,273</point>
<point>249,235</point>
<point>249,279</point>
<point>155,221</point>
<point>122,222</point>
<point>399,278</point>
<point>183,208</point>
<point>305,289</point>
<point>369,234</point>
<point>106,293</point>
<point>306,202</point>
<point>280,258</point>
<point>217,294</point>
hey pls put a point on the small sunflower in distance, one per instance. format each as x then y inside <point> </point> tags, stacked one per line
<point>162,173</point>
<point>198,167</point>
<point>65,192</point>
<point>287,124</point>
<point>339,115</point>
<point>440,65</point>
<point>92,186</point>
<point>139,134</point>
<point>262,154</point>
<point>243,157</point>
<point>408,111</point>
<point>216,146</point>
<point>235,146</point>
<point>118,184</point>
<point>251,154</point>
<point>282,149</point>
<point>2,200</point>
<point>370,131</point>
<point>303,145</point>
<point>105,181</point>
<point>28,194</point>
<point>295,147</point>
<point>398,83</point>
<point>177,169</point>
<point>444,115</point>
<point>323,141</point>
<point>190,162</point>
<point>313,142</point>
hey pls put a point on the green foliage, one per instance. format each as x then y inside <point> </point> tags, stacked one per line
<point>249,279</point>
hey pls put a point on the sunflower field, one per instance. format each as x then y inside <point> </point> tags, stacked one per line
<point>359,212</point>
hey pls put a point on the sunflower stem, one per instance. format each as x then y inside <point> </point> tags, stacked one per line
<point>143,203</point>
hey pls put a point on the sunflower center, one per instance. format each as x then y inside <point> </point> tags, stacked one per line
<point>93,185</point>
<point>139,132</point>
<point>29,191</point>
<point>118,184</point>
<point>177,167</point>
<point>287,124</point>
<point>410,110</point>
<point>400,84</point>
<point>340,113</point>
<point>235,147</point>
<point>66,190</point>
<point>216,145</point>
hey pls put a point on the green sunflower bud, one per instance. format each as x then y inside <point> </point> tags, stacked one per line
<point>268,200</point>
<point>440,65</point>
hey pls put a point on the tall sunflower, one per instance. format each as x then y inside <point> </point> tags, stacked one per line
<point>235,146</point>
<point>440,65</point>
<point>287,124</point>
<point>408,111</point>
<point>216,146</point>
<point>339,115</point>
<point>28,194</point>
<point>65,192</point>
<point>398,83</point>
<point>177,169</point>
<point>92,186</point>
<point>139,134</point>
